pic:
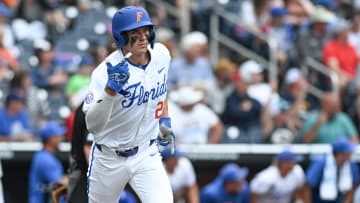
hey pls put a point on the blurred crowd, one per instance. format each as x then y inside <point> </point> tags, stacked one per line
<point>48,49</point>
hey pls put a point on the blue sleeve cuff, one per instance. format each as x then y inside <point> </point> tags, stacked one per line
<point>166,121</point>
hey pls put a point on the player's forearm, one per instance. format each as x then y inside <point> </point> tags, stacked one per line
<point>193,193</point>
<point>99,114</point>
<point>307,194</point>
<point>216,133</point>
<point>349,196</point>
<point>165,112</point>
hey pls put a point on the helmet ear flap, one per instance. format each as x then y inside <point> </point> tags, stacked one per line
<point>125,38</point>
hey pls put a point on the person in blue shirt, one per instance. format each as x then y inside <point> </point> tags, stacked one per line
<point>230,186</point>
<point>15,124</point>
<point>334,177</point>
<point>46,168</point>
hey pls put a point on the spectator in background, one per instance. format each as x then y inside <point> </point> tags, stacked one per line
<point>77,86</point>
<point>252,74</point>
<point>333,177</point>
<point>35,98</point>
<point>46,168</point>
<point>245,113</point>
<point>229,186</point>
<point>295,100</point>
<point>192,68</point>
<point>340,56</point>
<point>283,34</point>
<point>182,176</point>
<point>311,39</point>
<point>281,182</point>
<point>329,123</point>
<point>45,74</point>
<point>193,122</point>
<point>222,86</point>
<point>15,124</point>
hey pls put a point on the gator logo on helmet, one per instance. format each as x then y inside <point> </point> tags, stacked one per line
<point>139,16</point>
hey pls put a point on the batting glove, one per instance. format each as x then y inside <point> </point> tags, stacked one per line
<point>166,135</point>
<point>118,75</point>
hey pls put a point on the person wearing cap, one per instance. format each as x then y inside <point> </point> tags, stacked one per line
<point>284,35</point>
<point>246,113</point>
<point>182,176</point>
<point>37,104</point>
<point>222,86</point>
<point>334,176</point>
<point>44,73</point>
<point>252,74</point>
<point>229,186</point>
<point>281,182</point>
<point>328,123</point>
<point>15,123</point>
<point>191,67</point>
<point>311,38</point>
<point>194,122</point>
<point>295,103</point>
<point>46,168</point>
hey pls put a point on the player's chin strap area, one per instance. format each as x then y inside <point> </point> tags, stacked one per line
<point>126,152</point>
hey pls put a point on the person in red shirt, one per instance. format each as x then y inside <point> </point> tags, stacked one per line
<point>340,56</point>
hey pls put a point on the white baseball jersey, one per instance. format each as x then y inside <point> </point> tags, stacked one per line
<point>192,127</point>
<point>270,187</point>
<point>183,175</point>
<point>134,118</point>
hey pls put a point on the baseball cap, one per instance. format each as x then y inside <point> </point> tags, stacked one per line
<point>278,11</point>
<point>193,38</point>
<point>287,156</point>
<point>248,68</point>
<point>321,15</point>
<point>51,129</point>
<point>186,95</point>
<point>231,172</point>
<point>343,145</point>
<point>87,60</point>
<point>292,75</point>
<point>166,153</point>
<point>14,96</point>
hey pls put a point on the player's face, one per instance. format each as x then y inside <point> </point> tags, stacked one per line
<point>138,40</point>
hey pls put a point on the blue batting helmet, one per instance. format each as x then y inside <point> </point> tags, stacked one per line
<point>130,18</point>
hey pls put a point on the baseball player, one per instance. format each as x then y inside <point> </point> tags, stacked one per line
<point>124,109</point>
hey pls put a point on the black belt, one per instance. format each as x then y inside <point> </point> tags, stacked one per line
<point>128,152</point>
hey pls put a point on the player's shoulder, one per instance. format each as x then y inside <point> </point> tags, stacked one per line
<point>160,49</point>
<point>270,171</point>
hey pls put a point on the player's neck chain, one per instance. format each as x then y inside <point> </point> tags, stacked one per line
<point>136,93</point>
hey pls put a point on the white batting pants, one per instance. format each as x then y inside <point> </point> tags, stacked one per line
<point>108,175</point>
